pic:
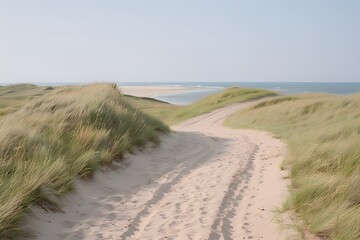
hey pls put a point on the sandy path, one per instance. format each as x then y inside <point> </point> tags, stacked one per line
<point>204,182</point>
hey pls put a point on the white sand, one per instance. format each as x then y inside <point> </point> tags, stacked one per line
<point>204,182</point>
<point>151,91</point>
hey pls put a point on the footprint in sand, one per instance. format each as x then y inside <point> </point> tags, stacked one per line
<point>109,207</point>
<point>111,216</point>
<point>79,234</point>
<point>62,235</point>
<point>68,224</point>
<point>115,198</point>
<point>95,204</point>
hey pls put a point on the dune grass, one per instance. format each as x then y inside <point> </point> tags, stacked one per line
<point>323,137</point>
<point>12,97</point>
<point>153,107</point>
<point>172,114</point>
<point>54,138</point>
<point>49,136</point>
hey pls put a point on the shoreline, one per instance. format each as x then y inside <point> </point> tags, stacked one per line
<point>153,91</point>
<point>336,88</point>
<point>176,95</point>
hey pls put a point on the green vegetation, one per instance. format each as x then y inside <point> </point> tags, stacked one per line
<point>171,114</point>
<point>323,137</point>
<point>49,136</point>
<point>12,97</point>
<point>155,108</point>
<point>65,133</point>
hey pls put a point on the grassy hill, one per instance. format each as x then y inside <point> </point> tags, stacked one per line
<point>323,137</point>
<point>172,114</point>
<point>12,97</point>
<point>65,133</point>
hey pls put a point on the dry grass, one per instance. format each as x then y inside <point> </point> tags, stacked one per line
<point>12,97</point>
<point>323,135</point>
<point>66,133</point>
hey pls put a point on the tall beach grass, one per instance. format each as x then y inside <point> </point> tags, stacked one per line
<point>54,138</point>
<point>323,137</point>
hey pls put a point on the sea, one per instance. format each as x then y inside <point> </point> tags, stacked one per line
<point>202,89</point>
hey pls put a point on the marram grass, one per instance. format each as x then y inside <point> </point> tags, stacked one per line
<point>323,137</point>
<point>65,133</point>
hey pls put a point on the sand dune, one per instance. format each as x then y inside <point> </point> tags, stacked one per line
<point>205,181</point>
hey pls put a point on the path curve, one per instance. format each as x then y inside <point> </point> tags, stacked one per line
<point>205,181</point>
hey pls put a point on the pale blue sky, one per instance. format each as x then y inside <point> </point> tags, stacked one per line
<point>183,40</point>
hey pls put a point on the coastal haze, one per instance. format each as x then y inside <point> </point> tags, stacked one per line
<point>204,120</point>
<point>177,41</point>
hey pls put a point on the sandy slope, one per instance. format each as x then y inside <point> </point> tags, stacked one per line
<point>204,182</point>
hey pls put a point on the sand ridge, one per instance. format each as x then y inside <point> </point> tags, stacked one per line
<point>205,181</point>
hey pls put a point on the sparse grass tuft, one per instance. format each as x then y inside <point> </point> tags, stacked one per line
<point>274,101</point>
<point>323,136</point>
<point>53,138</point>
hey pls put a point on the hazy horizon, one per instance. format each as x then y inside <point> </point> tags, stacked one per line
<point>179,41</point>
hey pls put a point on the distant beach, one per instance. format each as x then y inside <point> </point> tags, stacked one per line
<point>187,92</point>
<point>183,93</point>
<point>342,88</point>
<point>180,95</point>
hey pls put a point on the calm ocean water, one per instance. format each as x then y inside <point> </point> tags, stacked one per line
<point>206,88</point>
<point>202,89</point>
